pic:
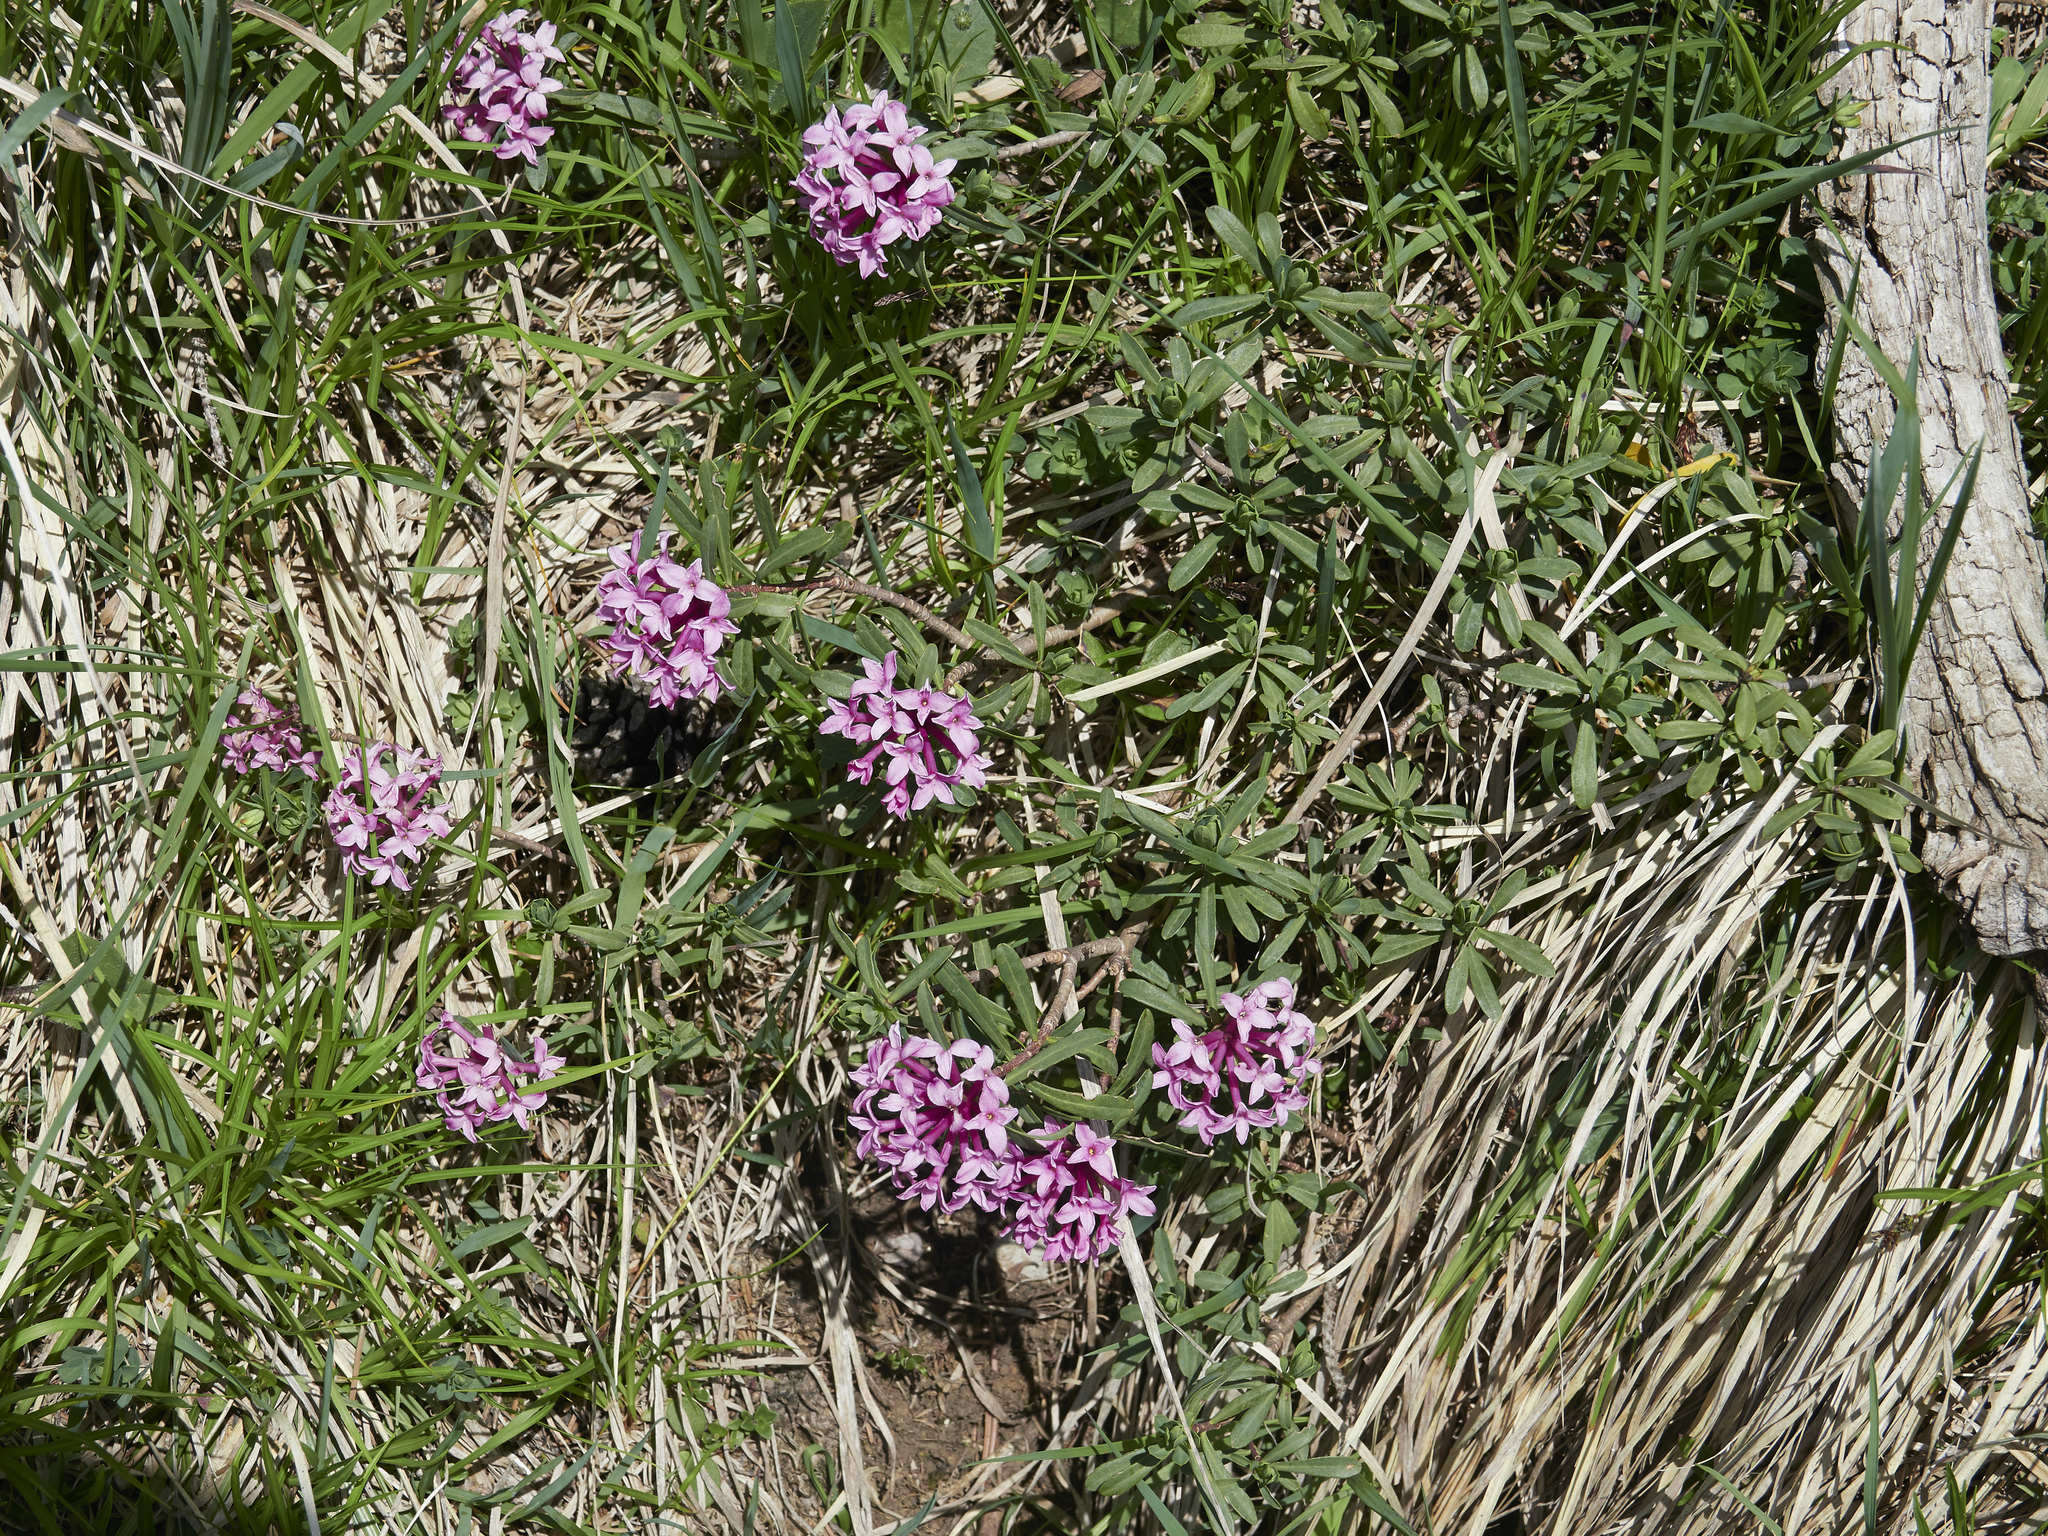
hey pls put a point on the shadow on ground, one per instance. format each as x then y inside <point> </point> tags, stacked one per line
<point>961,1353</point>
<point>619,738</point>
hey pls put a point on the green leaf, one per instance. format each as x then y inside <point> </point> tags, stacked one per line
<point>1241,915</point>
<point>870,973</point>
<point>995,640</point>
<point>1195,311</point>
<point>1522,675</point>
<point>966,41</point>
<point>1091,1043</point>
<point>1877,755</point>
<point>1195,562</point>
<point>1479,976</point>
<point>1518,104</point>
<point>1211,691</point>
<point>1167,1004</point>
<point>28,121</point>
<point>1235,237</point>
<point>1313,121</point>
<point>1386,116</point>
<point>1016,981</point>
<point>822,542</point>
<point>1398,946</point>
<point>1743,719</point>
<point>798,24</point>
<point>1110,1108</point>
<point>920,973</point>
<point>1687,730</point>
<point>1168,1521</point>
<point>1729,122</point>
<point>1424,890</point>
<point>1456,979</point>
<point>1524,954</point>
<point>1786,816</point>
<point>1883,804</point>
<point>1585,766</point>
<point>626,109</point>
<point>1212,32</point>
<point>981,533</point>
<point>988,1016</point>
<point>1321,1466</point>
<point>1144,148</point>
<point>1354,347</point>
<point>1120,1474</point>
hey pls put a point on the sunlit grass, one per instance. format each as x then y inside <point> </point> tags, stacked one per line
<point>1664,1112</point>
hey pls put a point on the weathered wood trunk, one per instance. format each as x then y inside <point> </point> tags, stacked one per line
<point>1976,706</point>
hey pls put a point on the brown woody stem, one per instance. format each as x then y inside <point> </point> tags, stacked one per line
<point>1115,955</point>
<point>867,589</point>
<point>1048,141</point>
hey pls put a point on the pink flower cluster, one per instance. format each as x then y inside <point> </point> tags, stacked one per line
<point>938,1117</point>
<point>476,1081</point>
<point>668,622</point>
<point>266,735</point>
<point>926,740</point>
<point>1246,1074</point>
<point>378,812</point>
<point>501,86</point>
<point>1070,1201</point>
<point>869,183</point>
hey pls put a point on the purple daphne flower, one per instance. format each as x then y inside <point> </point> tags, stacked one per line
<point>1071,1202</point>
<point>378,812</point>
<point>266,735</point>
<point>937,1117</point>
<point>473,1079</point>
<point>868,183</point>
<point>1245,1075</point>
<point>501,87</point>
<point>925,741</point>
<point>668,622</point>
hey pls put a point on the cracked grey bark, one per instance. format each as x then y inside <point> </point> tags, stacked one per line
<point>1975,715</point>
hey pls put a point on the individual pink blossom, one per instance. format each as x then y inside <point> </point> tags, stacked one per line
<point>266,735</point>
<point>476,1082</point>
<point>925,741</point>
<point>868,183</point>
<point>1072,1204</point>
<point>380,814</point>
<point>938,1118</point>
<point>500,87</point>
<point>668,623</point>
<point>1245,1075</point>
